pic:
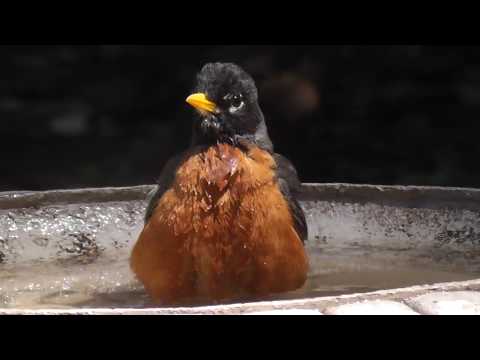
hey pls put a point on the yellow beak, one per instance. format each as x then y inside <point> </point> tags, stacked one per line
<point>200,102</point>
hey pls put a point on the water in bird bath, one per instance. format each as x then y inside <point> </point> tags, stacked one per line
<point>109,283</point>
<point>352,248</point>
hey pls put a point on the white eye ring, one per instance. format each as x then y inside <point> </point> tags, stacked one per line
<point>234,99</point>
<point>233,109</point>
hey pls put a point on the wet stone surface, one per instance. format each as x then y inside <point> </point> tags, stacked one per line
<point>67,232</point>
<point>447,303</point>
<point>378,307</point>
<point>75,255</point>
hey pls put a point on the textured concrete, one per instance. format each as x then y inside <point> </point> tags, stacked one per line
<point>378,307</point>
<point>77,242</point>
<point>447,303</point>
<point>287,312</point>
<point>320,304</point>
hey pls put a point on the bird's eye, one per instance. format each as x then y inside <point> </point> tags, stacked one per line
<point>236,103</point>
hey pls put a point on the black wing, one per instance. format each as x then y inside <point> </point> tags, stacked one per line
<point>289,184</point>
<point>164,182</point>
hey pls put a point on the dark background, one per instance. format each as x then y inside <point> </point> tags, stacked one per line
<point>111,115</point>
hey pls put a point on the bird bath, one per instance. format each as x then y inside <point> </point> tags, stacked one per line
<point>67,251</point>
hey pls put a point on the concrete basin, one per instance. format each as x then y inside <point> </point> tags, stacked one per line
<point>66,252</point>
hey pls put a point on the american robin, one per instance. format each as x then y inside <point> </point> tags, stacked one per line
<point>223,223</point>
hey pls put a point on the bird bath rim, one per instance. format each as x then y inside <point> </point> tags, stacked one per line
<point>394,217</point>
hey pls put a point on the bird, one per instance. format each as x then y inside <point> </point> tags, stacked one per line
<point>223,222</point>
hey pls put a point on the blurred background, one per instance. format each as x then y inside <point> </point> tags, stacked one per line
<point>111,115</point>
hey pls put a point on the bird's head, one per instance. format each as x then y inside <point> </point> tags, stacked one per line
<point>226,100</point>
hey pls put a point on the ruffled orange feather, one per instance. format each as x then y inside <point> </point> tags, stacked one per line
<point>222,231</point>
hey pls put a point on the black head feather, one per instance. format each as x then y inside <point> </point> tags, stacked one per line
<point>238,112</point>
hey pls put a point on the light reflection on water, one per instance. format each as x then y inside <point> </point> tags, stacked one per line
<point>109,283</point>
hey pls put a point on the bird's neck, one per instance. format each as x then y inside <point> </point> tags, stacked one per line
<point>260,138</point>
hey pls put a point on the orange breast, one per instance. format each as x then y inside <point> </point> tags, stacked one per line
<point>222,231</point>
